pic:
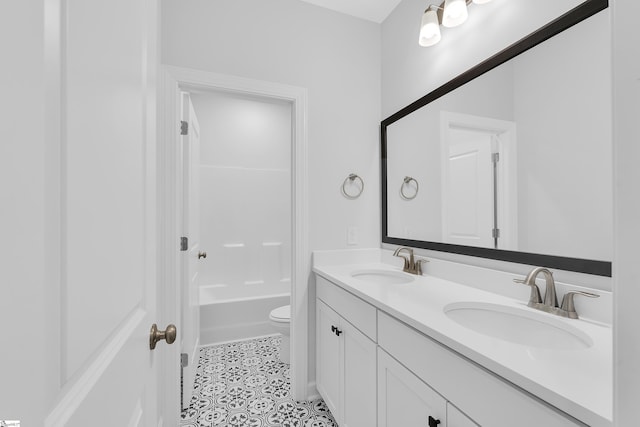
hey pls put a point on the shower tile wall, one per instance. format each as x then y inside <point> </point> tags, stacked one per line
<point>245,189</point>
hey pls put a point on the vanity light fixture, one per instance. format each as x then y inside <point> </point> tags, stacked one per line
<point>450,13</point>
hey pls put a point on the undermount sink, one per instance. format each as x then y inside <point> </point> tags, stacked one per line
<point>518,325</point>
<point>382,277</point>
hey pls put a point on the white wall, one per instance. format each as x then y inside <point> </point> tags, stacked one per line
<point>245,190</point>
<point>337,59</point>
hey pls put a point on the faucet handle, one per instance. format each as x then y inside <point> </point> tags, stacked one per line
<point>534,297</point>
<point>568,305</point>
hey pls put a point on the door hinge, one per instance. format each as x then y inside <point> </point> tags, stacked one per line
<point>495,233</point>
<point>184,128</point>
<point>184,360</point>
<point>495,157</point>
<point>184,243</point>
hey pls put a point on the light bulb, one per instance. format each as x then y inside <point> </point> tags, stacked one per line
<point>481,1</point>
<point>455,13</point>
<point>429,28</point>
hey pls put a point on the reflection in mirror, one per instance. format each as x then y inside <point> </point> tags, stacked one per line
<point>518,159</point>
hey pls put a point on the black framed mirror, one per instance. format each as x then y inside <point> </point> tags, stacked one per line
<point>508,161</point>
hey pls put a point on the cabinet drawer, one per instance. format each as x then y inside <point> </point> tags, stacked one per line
<point>486,398</point>
<point>360,314</point>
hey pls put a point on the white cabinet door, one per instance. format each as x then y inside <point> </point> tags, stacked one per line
<point>359,378</point>
<point>455,418</point>
<point>328,359</point>
<point>404,400</point>
<point>345,369</point>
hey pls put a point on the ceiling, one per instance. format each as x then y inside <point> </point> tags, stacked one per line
<point>371,10</point>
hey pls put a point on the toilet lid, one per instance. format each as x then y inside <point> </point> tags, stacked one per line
<point>282,314</point>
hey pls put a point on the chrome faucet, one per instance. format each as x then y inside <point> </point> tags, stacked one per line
<point>411,265</point>
<point>550,303</point>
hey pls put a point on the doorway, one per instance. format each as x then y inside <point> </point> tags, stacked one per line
<point>176,82</point>
<point>236,217</point>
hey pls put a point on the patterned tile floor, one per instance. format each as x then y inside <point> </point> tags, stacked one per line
<point>244,384</point>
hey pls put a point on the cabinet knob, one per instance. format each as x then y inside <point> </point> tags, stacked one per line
<point>433,422</point>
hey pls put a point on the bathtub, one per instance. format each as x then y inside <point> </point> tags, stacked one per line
<point>230,313</point>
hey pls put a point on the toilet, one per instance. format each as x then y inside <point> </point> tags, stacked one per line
<point>280,319</point>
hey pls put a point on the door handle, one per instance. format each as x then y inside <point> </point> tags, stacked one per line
<point>156,335</point>
<point>202,255</point>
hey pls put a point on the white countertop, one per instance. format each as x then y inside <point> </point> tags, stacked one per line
<point>578,382</point>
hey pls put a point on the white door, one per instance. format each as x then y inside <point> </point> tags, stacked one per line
<point>190,324</point>
<point>101,167</point>
<point>403,399</point>
<point>468,201</point>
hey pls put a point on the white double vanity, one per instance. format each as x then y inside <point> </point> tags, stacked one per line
<point>454,347</point>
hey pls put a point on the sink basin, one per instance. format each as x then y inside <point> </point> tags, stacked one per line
<point>383,277</point>
<point>518,325</point>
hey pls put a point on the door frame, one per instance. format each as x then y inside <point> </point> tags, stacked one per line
<point>172,81</point>
<point>189,258</point>
<point>507,167</point>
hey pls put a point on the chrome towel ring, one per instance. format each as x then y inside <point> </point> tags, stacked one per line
<point>405,183</point>
<point>351,181</point>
